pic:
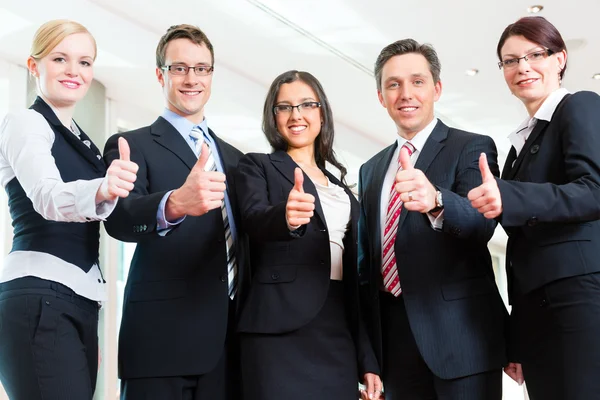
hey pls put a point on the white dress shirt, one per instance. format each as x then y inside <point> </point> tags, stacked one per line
<point>336,209</point>
<point>26,141</point>
<point>390,176</point>
<point>519,136</point>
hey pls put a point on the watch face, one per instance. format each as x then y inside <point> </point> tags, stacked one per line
<point>439,201</point>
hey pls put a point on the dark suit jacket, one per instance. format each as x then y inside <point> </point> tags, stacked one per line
<point>176,302</point>
<point>291,271</point>
<point>454,308</point>
<point>551,197</point>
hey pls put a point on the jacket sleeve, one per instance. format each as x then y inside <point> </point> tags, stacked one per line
<point>261,220</point>
<point>576,200</point>
<point>134,218</point>
<point>460,218</point>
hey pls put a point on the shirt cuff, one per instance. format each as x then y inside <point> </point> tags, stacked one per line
<point>85,201</point>
<point>162,225</point>
<point>437,223</point>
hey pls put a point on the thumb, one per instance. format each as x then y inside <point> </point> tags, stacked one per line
<point>298,180</point>
<point>405,160</point>
<point>201,163</point>
<point>124,151</point>
<point>486,174</point>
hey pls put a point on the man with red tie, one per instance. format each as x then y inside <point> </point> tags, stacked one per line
<point>434,313</point>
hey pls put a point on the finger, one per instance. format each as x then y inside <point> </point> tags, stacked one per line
<point>126,176</point>
<point>201,163</point>
<point>405,162</point>
<point>216,186</point>
<point>300,214</point>
<point>216,176</point>
<point>370,386</point>
<point>476,193</point>
<point>302,197</point>
<point>300,206</point>
<point>119,192</point>
<point>519,373</point>
<point>492,214</point>
<point>213,204</point>
<point>481,202</point>
<point>213,196</point>
<point>124,185</point>
<point>298,180</point>
<point>405,187</point>
<point>404,176</point>
<point>124,152</point>
<point>486,174</point>
<point>298,221</point>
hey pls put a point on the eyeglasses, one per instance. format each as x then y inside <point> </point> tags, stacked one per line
<point>531,58</point>
<point>302,108</point>
<point>181,69</point>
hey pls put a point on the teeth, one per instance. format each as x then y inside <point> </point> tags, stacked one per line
<point>527,81</point>
<point>191,93</point>
<point>298,128</point>
<point>70,85</point>
<point>408,108</point>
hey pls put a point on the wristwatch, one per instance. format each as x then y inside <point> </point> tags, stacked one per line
<point>439,203</point>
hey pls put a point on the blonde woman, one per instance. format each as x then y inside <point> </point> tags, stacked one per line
<point>58,189</point>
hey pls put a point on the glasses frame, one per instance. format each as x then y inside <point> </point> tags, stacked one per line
<point>210,69</point>
<point>526,57</point>
<point>298,107</point>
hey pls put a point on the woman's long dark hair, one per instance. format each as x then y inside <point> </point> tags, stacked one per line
<point>324,141</point>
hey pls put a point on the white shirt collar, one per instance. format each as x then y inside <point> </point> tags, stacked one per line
<point>418,141</point>
<point>519,136</point>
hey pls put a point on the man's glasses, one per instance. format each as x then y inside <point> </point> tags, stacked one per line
<point>302,108</point>
<point>531,58</point>
<point>181,69</point>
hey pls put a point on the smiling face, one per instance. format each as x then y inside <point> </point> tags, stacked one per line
<point>188,94</point>
<point>408,92</point>
<point>298,128</point>
<point>66,73</point>
<point>534,80</point>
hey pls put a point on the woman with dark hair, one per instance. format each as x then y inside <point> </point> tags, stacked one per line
<point>301,330</point>
<point>548,201</point>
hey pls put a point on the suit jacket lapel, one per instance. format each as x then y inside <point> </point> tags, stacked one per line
<point>89,153</point>
<point>540,127</point>
<point>286,166</point>
<point>510,159</point>
<point>167,136</point>
<point>433,145</point>
<point>372,196</point>
<point>354,206</point>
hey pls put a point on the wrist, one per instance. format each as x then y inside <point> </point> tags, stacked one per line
<point>438,203</point>
<point>173,208</point>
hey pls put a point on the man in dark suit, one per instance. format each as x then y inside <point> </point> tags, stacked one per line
<point>177,339</point>
<point>434,313</point>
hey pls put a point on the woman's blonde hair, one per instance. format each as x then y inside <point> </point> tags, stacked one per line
<point>50,34</point>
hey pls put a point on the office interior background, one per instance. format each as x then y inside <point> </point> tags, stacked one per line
<point>256,40</point>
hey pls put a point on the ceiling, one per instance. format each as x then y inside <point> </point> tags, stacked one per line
<point>336,40</point>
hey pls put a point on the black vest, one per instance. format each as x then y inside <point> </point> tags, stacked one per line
<point>76,243</point>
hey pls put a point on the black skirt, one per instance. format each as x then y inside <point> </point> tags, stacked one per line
<point>316,361</point>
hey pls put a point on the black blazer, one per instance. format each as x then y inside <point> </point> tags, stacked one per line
<point>551,197</point>
<point>291,271</point>
<point>454,308</point>
<point>176,302</point>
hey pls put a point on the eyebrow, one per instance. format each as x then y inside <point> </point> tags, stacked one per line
<point>198,64</point>
<point>60,53</point>
<point>305,99</point>
<point>416,75</point>
<point>532,50</point>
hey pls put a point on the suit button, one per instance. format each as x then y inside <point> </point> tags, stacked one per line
<point>510,264</point>
<point>275,276</point>
<point>145,228</point>
<point>223,278</point>
<point>322,262</point>
<point>532,221</point>
<point>543,303</point>
<point>517,179</point>
<point>534,149</point>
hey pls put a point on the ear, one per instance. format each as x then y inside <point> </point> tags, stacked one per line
<point>561,56</point>
<point>437,91</point>
<point>160,76</point>
<point>380,96</point>
<point>33,67</point>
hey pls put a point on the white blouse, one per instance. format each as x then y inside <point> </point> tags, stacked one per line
<point>336,208</point>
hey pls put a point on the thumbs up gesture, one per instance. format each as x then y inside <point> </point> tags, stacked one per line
<point>486,197</point>
<point>300,206</point>
<point>416,192</point>
<point>120,176</point>
<point>202,191</point>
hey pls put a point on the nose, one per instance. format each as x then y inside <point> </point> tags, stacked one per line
<point>191,79</point>
<point>295,115</point>
<point>72,68</point>
<point>523,66</point>
<point>405,92</point>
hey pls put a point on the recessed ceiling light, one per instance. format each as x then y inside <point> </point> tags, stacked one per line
<point>535,9</point>
<point>472,72</point>
<point>596,77</point>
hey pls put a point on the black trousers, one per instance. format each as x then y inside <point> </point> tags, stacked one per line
<point>48,341</point>
<point>406,375</point>
<point>223,382</point>
<point>556,330</point>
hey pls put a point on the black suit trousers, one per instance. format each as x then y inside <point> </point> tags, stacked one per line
<point>48,341</point>
<point>557,332</point>
<point>405,373</point>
